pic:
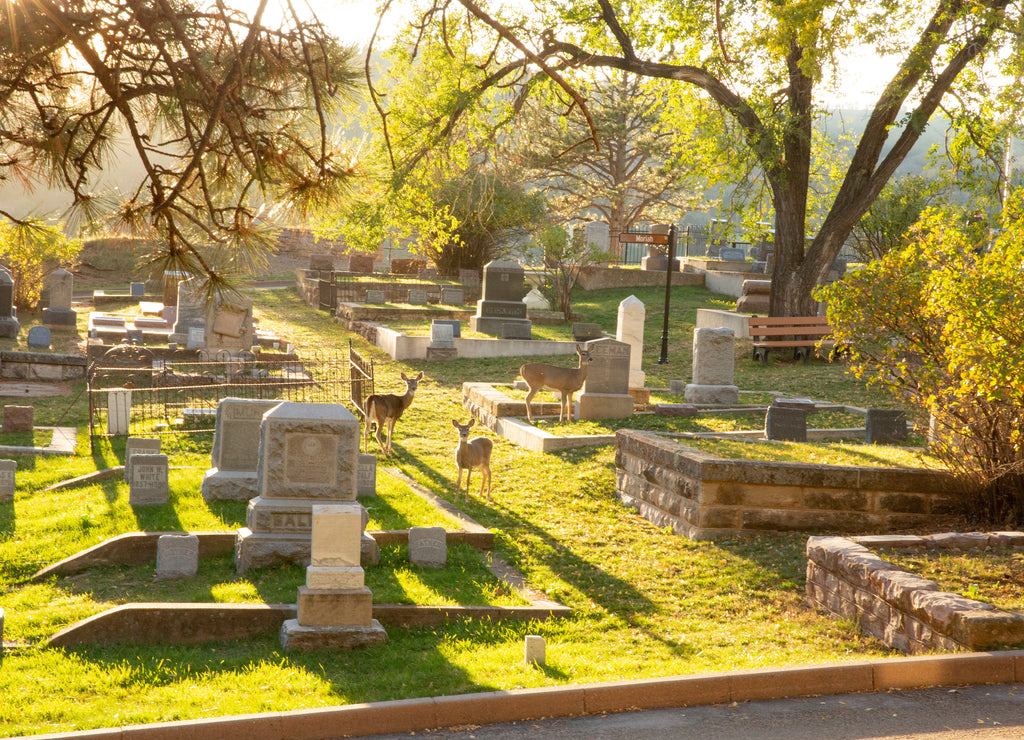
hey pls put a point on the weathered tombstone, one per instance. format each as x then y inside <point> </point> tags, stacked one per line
<point>366,479</point>
<point>190,312</point>
<point>428,547</point>
<point>785,424</point>
<point>534,650</point>
<point>321,262</point>
<point>502,301</point>
<point>229,326</point>
<point>177,556</point>
<point>360,262</point>
<point>657,254</point>
<point>469,277</point>
<point>148,484</point>
<point>417,296</point>
<point>675,409</point>
<point>374,297</point>
<point>630,329</point>
<point>119,411</point>
<point>713,365</point>
<point>8,468</point>
<point>455,324</point>
<point>452,296</point>
<point>754,296</point>
<point>732,254</point>
<point>308,455</point>
<point>59,315</point>
<point>885,425</point>
<point>584,332</point>
<point>196,338</point>
<point>9,325</point>
<point>427,273</point>
<point>597,234</point>
<point>335,608</point>
<point>605,393</point>
<point>535,301</point>
<point>38,336</point>
<point>442,342</point>
<point>235,455</point>
<point>136,446</point>
<point>516,330</point>
<point>136,290</point>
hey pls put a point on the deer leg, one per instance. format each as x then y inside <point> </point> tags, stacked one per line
<point>485,472</point>
<point>391,430</point>
<point>458,485</point>
<point>529,397</point>
<point>568,408</point>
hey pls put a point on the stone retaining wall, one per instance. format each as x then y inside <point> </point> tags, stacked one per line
<point>307,284</point>
<point>703,496</point>
<point>906,611</point>
<point>41,366</point>
<point>594,277</point>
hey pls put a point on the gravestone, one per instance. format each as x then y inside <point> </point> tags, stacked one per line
<point>308,456</point>
<point>535,301</point>
<point>229,325</point>
<point>321,262</point>
<point>885,426</point>
<point>534,650</point>
<point>605,392</point>
<point>119,411</point>
<point>630,329</point>
<point>584,332</point>
<point>754,296</point>
<point>136,290</point>
<point>148,485</point>
<point>428,547</point>
<point>469,277</point>
<point>675,409</point>
<point>360,262</point>
<point>9,325</point>
<point>442,342</point>
<point>455,324</point>
<point>502,302</point>
<point>451,296</point>
<point>335,608</point>
<point>59,315</point>
<point>713,364</point>
<point>38,336</point>
<point>374,297</point>
<point>597,234</point>
<point>235,455</point>
<point>786,424</point>
<point>417,297</point>
<point>136,446</point>
<point>18,419</point>
<point>8,468</point>
<point>657,254</point>
<point>732,254</point>
<point>427,273</point>
<point>190,312</point>
<point>196,338</point>
<point>177,555</point>
<point>366,478</point>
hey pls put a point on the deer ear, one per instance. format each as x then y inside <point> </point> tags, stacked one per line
<point>403,376</point>
<point>455,423</point>
<point>471,422</point>
<point>420,376</point>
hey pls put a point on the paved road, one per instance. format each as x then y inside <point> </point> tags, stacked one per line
<point>972,712</point>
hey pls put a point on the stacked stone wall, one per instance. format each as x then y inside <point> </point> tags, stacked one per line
<point>906,611</point>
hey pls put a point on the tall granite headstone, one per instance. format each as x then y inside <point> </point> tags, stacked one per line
<point>8,468</point>
<point>714,360</point>
<point>630,329</point>
<point>502,302</point>
<point>236,450</point>
<point>9,325</point>
<point>59,316</point>
<point>308,456</point>
<point>605,393</point>
<point>191,310</point>
<point>597,235</point>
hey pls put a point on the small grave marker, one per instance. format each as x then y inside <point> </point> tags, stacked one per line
<point>7,470</point>
<point>428,546</point>
<point>148,484</point>
<point>177,556</point>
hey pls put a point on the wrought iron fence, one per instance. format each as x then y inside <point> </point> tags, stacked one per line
<point>132,393</point>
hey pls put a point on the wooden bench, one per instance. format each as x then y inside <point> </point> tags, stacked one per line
<point>799,333</point>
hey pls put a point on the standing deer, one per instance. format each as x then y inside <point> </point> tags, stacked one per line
<point>565,380</point>
<point>471,454</point>
<point>385,408</point>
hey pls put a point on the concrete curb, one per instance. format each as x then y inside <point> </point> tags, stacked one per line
<point>414,715</point>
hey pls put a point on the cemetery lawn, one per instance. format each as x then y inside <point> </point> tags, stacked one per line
<point>646,602</point>
<point>994,577</point>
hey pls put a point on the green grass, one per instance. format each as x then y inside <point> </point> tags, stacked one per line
<point>992,576</point>
<point>646,602</point>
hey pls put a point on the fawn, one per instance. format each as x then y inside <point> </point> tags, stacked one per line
<point>470,454</point>
<point>385,408</point>
<point>565,380</point>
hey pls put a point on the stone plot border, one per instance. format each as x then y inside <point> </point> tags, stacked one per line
<point>62,442</point>
<point>906,611</point>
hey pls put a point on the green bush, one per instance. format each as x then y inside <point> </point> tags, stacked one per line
<point>940,325</point>
<point>29,249</point>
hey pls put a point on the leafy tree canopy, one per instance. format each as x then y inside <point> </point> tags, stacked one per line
<point>229,118</point>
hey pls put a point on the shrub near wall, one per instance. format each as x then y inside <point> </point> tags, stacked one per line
<point>703,496</point>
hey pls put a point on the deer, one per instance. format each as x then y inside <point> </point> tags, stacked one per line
<point>385,409</point>
<point>470,455</point>
<point>565,380</point>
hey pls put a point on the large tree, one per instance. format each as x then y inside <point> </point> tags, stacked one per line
<point>763,63</point>
<point>226,116</point>
<point>637,173</point>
